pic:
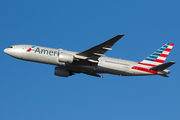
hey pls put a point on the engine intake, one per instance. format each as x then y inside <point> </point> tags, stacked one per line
<point>62,72</point>
<point>63,57</point>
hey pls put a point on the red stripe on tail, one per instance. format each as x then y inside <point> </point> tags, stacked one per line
<point>172,44</point>
<point>163,55</point>
<point>159,61</point>
<point>167,49</point>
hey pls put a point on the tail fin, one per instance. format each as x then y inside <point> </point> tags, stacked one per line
<point>158,57</point>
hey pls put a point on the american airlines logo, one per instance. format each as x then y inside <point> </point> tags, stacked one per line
<point>30,49</point>
<point>43,51</point>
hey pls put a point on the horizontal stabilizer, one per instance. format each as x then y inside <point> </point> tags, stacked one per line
<point>162,66</point>
<point>164,75</point>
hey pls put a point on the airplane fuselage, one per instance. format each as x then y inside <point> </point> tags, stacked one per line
<point>51,56</point>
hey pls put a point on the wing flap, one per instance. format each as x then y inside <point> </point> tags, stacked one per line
<point>93,74</point>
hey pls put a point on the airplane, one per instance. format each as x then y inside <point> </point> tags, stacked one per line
<point>93,61</point>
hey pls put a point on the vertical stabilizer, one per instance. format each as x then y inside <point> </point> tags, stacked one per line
<point>158,57</point>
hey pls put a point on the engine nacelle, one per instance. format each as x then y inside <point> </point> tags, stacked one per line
<point>63,57</point>
<point>62,72</point>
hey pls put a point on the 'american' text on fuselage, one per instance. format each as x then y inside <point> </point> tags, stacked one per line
<point>47,52</point>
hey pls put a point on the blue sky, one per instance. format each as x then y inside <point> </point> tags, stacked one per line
<point>31,91</point>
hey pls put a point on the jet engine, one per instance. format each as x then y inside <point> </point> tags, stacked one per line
<point>62,72</point>
<point>63,57</point>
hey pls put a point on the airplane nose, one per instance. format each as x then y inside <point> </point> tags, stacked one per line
<point>7,51</point>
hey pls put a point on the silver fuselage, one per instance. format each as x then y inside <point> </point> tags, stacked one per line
<point>50,56</point>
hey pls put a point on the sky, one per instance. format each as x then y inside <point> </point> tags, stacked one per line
<point>31,91</point>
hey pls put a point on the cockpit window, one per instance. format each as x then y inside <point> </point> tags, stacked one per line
<point>10,47</point>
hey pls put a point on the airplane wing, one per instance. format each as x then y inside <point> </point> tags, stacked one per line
<point>94,53</point>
